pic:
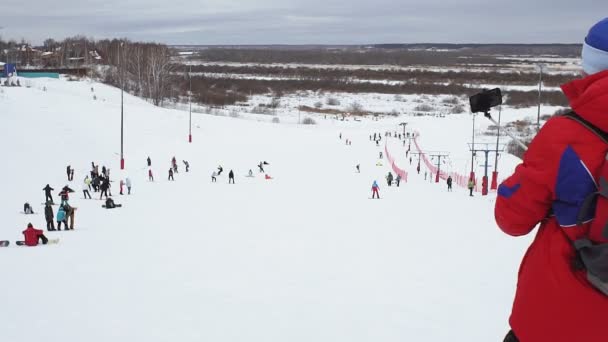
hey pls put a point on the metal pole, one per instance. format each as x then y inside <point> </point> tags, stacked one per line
<point>122,158</point>
<point>497,139</point>
<point>473,148</point>
<point>540,85</point>
<point>190,101</point>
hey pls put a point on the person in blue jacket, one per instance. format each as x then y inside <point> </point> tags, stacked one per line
<point>62,217</point>
<point>375,189</point>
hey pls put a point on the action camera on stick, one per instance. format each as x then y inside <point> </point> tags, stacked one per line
<point>484,101</point>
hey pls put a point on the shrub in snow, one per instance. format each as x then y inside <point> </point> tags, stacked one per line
<point>424,108</point>
<point>393,112</point>
<point>332,101</point>
<point>355,108</point>
<point>453,100</point>
<point>234,114</point>
<point>308,121</point>
<point>276,120</point>
<point>458,109</point>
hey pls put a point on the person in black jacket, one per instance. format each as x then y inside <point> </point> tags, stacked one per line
<point>220,169</point>
<point>449,181</point>
<point>171,175</point>
<point>69,172</point>
<point>47,193</point>
<point>105,185</point>
<point>261,167</point>
<point>230,177</point>
<point>149,162</point>
<point>49,216</point>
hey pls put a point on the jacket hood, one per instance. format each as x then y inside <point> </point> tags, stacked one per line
<point>588,97</point>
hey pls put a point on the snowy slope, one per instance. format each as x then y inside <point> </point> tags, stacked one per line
<point>306,256</point>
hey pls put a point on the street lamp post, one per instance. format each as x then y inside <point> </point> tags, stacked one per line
<point>190,101</point>
<point>122,158</point>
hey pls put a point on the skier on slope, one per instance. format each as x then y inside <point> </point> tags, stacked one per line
<point>105,186</point>
<point>213,177</point>
<point>261,167</point>
<point>250,174</point>
<point>389,179</point>
<point>449,182</point>
<point>64,194</point>
<point>358,168</point>
<point>171,175</point>
<point>150,176</point>
<point>149,161</point>
<point>69,172</point>
<point>85,187</point>
<point>398,180</point>
<point>62,217</point>
<point>220,169</point>
<point>375,189</point>
<point>129,184</point>
<point>121,186</point>
<point>47,193</point>
<point>187,165</point>
<point>471,186</point>
<point>33,235</point>
<point>230,177</point>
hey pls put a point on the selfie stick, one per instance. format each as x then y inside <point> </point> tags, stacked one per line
<point>487,115</point>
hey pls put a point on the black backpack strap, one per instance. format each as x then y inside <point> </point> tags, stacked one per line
<point>601,134</point>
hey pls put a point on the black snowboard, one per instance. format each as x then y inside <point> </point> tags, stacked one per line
<point>4,243</point>
<point>116,206</point>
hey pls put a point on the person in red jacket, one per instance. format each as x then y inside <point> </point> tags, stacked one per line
<point>554,300</point>
<point>32,235</point>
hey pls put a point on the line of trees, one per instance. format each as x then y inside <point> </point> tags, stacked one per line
<point>143,68</point>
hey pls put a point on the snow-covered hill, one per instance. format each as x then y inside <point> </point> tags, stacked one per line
<point>306,256</point>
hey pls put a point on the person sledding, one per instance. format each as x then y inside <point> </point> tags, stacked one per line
<point>33,236</point>
<point>47,193</point>
<point>375,190</point>
<point>110,204</point>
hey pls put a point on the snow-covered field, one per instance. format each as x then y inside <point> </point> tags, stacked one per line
<point>306,256</point>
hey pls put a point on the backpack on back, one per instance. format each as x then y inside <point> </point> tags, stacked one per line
<point>592,249</point>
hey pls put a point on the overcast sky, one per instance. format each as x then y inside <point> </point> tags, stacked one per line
<point>305,22</point>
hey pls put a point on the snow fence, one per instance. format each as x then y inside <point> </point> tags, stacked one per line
<point>399,171</point>
<point>457,178</point>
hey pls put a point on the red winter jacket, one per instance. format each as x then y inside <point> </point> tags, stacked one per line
<point>553,301</point>
<point>31,235</point>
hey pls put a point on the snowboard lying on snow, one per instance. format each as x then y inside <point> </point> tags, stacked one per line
<point>50,242</point>
<point>116,206</point>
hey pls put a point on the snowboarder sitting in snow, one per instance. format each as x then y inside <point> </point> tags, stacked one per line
<point>27,209</point>
<point>33,235</point>
<point>375,189</point>
<point>110,204</point>
<point>49,216</point>
<point>250,173</point>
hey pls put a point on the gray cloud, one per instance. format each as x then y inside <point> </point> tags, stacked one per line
<point>305,22</point>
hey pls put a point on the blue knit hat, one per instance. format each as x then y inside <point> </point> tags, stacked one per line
<point>595,48</point>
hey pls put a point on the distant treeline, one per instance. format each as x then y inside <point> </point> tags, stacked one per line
<point>378,56</point>
<point>228,91</point>
<point>416,76</point>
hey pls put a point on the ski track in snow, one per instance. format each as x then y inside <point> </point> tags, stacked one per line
<point>304,257</point>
